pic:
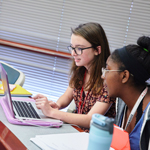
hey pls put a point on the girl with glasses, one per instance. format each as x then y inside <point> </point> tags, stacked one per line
<point>90,50</point>
<point>125,76</point>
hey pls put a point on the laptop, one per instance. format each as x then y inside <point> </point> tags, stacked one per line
<point>21,110</point>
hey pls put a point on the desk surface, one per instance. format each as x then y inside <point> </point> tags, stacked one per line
<point>24,133</point>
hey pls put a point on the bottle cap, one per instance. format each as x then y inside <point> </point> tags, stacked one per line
<point>102,122</point>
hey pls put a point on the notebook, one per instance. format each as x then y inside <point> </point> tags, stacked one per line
<point>17,91</point>
<point>21,110</point>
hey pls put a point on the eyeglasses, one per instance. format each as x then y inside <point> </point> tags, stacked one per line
<point>104,70</point>
<point>77,50</point>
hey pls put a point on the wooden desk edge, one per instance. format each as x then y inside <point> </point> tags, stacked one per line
<point>77,128</point>
<point>8,141</point>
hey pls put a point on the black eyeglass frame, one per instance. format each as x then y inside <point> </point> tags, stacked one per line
<point>77,47</point>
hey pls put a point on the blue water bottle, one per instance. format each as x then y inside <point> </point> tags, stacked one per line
<point>101,131</point>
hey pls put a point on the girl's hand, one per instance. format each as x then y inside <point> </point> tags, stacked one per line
<point>53,105</point>
<point>42,103</point>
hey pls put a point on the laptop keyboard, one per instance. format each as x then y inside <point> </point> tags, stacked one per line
<point>25,109</point>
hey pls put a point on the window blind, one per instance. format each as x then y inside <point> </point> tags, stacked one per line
<point>43,74</point>
<point>112,15</point>
<point>138,23</point>
<point>31,22</point>
<point>47,24</point>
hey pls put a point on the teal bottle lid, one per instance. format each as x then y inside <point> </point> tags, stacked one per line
<point>102,122</point>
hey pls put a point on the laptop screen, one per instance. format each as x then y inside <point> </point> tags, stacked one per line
<point>5,84</point>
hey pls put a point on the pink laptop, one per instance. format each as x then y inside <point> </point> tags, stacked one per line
<point>21,110</point>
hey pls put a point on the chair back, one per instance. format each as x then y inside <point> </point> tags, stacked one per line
<point>15,76</point>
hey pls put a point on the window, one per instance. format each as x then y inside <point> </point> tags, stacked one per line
<point>46,24</point>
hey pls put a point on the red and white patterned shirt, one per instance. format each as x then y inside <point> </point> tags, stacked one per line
<point>91,100</point>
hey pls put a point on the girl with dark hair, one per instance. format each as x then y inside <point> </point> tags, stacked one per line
<point>127,70</point>
<point>90,50</point>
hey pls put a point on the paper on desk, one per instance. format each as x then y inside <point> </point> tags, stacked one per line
<point>66,141</point>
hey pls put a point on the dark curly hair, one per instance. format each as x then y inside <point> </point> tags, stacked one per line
<point>141,52</point>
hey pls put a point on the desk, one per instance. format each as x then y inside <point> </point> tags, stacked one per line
<point>24,133</point>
